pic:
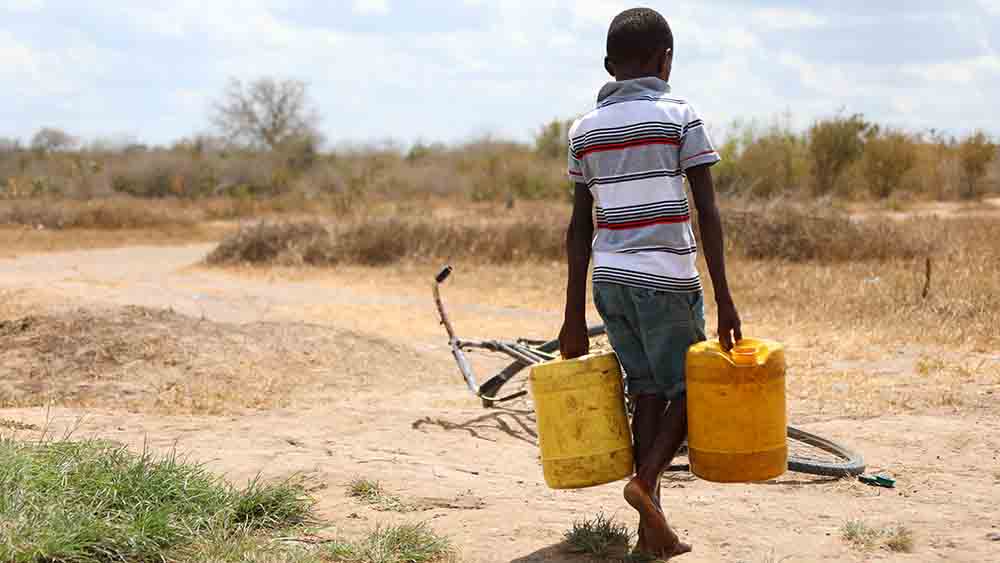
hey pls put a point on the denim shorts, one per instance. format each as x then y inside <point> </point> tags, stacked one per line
<point>651,332</point>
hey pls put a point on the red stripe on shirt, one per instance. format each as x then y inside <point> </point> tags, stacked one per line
<point>575,173</point>
<point>644,223</point>
<point>697,155</point>
<point>628,144</point>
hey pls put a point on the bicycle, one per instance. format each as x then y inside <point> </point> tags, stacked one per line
<point>807,452</point>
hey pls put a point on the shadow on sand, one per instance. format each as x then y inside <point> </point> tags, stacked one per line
<point>559,554</point>
<point>519,424</point>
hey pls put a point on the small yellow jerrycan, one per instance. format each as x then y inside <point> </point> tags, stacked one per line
<point>583,430</point>
<point>736,411</point>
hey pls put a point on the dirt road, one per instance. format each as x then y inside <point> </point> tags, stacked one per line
<point>388,404</point>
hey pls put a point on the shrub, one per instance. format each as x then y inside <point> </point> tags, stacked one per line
<point>277,243</point>
<point>888,156</point>
<point>975,153</point>
<point>767,163</point>
<point>552,140</point>
<point>817,232</point>
<point>833,145</point>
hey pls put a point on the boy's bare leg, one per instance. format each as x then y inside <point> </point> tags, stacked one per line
<point>658,538</point>
<point>646,420</point>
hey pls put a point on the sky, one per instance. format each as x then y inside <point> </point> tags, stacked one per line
<point>455,70</point>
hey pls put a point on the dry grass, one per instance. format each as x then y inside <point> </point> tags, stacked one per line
<point>374,495</point>
<point>778,230</point>
<point>18,240</point>
<point>896,538</point>
<point>148,360</point>
<point>378,242</point>
<point>816,232</point>
<point>115,213</point>
<point>406,543</point>
<point>121,212</point>
<point>899,539</point>
<point>859,534</point>
<point>288,244</point>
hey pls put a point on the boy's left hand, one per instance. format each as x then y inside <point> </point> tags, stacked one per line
<point>730,331</point>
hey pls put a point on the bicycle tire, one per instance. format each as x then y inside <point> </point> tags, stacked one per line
<point>845,463</point>
<point>840,462</point>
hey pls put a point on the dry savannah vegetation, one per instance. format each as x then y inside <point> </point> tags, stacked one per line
<point>262,307</point>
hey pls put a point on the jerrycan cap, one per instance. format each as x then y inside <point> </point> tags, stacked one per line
<point>744,354</point>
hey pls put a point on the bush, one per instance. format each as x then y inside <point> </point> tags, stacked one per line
<point>552,140</point>
<point>817,232</point>
<point>975,153</point>
<point>888,156</point>
<point>763,163</point>
<point>834,144</point>
<point>277,243</point>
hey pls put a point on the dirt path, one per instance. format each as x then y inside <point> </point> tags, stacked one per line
<point>402,418</point>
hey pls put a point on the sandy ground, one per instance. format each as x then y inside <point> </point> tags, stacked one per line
<point>379,396</point>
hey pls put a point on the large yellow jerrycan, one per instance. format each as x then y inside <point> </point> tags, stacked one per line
<point>736,411</point>
<point>583,430</point>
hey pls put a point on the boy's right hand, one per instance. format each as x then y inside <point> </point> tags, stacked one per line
<point>573,340</point>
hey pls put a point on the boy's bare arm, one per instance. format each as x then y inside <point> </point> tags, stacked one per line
<point>703,190</point>
<point>573,341</point>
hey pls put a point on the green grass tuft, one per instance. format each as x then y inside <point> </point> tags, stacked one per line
<point>600,536</point>
<point>407,543</point>
<point>91,501</point>
<point>372,493</point>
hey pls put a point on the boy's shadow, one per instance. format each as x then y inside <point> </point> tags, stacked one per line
<point>558,553</point>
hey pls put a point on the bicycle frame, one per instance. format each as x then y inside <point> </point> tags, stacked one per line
<point>525,352</point>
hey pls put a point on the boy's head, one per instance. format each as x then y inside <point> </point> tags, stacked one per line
<point>640,43</point>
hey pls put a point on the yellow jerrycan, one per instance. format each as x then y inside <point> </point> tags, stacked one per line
<point>736,411</point>
<point>583,430</point>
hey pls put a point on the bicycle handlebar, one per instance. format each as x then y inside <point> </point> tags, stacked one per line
<point>453,342</point>
<point>443,274</point>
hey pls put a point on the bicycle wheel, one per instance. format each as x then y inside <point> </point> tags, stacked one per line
<point>491,388</point>
<point>807,453</point>
<point>815,455</point>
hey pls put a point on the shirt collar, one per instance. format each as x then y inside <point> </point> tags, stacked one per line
<point>636,88</point>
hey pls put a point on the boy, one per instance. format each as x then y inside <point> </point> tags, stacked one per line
<point>629,156</point>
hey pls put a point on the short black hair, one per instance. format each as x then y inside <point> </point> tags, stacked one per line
<point>637,34</point>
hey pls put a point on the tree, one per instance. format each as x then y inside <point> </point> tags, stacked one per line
<point>889,156</point>
<point>9,144</point>
<point>834,144</point>
<point>267,113</point>
<point>551,141</point>
<point>975,153</point>
<point>50,139</point>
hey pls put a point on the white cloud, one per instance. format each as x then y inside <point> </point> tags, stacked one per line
<point>504,68</point>
<point>23,6</point>
<point>992,6</point>
<point>777,19</point>
<point>365,7</point>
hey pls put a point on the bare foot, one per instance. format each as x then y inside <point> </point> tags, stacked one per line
<point>657,537</point>
<point>680,549</point>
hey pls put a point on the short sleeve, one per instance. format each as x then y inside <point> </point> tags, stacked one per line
<point>696,146</point>
<point>574,168</point>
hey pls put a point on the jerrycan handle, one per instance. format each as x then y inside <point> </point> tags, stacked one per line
<point>744,355</point>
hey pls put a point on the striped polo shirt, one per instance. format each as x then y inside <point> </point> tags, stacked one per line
<point>632,151</point>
